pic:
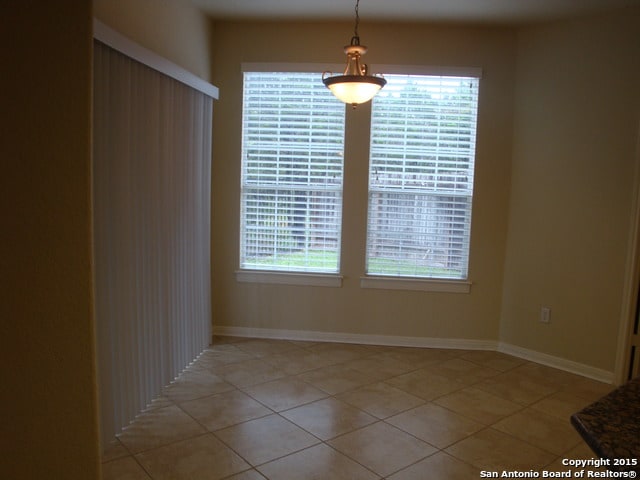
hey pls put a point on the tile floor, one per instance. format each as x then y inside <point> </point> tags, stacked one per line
<point>250,409</point>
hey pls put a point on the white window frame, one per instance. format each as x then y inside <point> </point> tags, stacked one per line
<point>421,283</point>
<point>290,277</point>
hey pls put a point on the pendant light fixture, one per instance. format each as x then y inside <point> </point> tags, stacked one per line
<point>355,85</point>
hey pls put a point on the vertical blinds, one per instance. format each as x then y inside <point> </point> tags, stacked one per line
<point>292,158</point>
<point>423,135</point>
<point>151,174</point>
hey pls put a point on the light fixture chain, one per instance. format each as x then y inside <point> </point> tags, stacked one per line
<point>355,31</point>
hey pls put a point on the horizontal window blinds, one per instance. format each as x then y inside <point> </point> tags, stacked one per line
<point>422,152</point>
<point>292,158</point>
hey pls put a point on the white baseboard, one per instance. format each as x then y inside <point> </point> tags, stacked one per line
<point>364,339</point>
<point>421,342</point>
<point>558,362</point>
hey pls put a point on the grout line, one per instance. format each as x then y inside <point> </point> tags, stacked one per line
<point>142,467</point>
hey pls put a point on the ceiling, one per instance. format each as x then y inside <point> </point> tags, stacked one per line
<point>475,11</point>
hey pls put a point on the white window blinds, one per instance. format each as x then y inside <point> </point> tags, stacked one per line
<point>423,136</point>
<point>292,158</point>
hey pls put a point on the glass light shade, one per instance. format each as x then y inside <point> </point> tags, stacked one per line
<point>355,85</point>
<point>354,89</point>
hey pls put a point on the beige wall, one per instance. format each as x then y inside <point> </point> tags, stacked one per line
<point>351,309</point>
<point>49,426</point>
<point>576,127</point>
<point>174,29</point>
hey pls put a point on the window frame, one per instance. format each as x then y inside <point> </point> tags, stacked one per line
<point>367,281</point>
<point>291,276</point>
<point>409,282</point>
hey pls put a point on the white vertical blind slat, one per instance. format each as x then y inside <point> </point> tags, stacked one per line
<point>152,152</point>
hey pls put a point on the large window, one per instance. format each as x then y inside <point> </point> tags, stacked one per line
<point>292,158</point>
<point>423,136</point>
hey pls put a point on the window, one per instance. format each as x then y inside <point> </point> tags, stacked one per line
<point>423,135</point>
<point>292,158</point>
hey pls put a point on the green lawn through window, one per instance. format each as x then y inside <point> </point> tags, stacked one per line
<point>322,259</point>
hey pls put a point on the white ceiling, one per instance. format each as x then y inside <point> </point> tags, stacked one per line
<point>476,11</point>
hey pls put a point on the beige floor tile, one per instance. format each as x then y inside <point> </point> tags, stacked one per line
<point>248,475</point>
<point>462,371</point>
<point>478,405</point>
<point>335,379</point>
<point>224,410</point>
<point>220,347</point>
<point>226,339</point>
<point>201,458</point>
<point>376,349</point>
<point>435,425</point>
<point>159,427</point>
<point>588,389</point>
<point>561,405</point>
<point>380,399</point>
<point>319,462</point>
<point>328,418</point>
<point>285,393</point>
<point>265,439</point>
<point>495,360</point>
<point>421,357</point>
<point>380,366</point>
<point>516,388</point>
<point>579,452</point>
<point>218,357</point>
<point>195,384</point>
<point>439,466</point>
<point>382,448</point>
<point>557,466</point>
<point>297,361</point>
<point>488,410</point>
<point>424,384</point>
<point>490,449</point>
<point>542,430</point>
<point>264,347</point>
<point>249,373</point>
<point>340,352</point>
<point>114,450</point>
<point>123,469</point>
<point>546,375</point>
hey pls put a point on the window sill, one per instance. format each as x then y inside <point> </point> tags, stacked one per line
<point>419,284</point>
<point>288,278</point>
